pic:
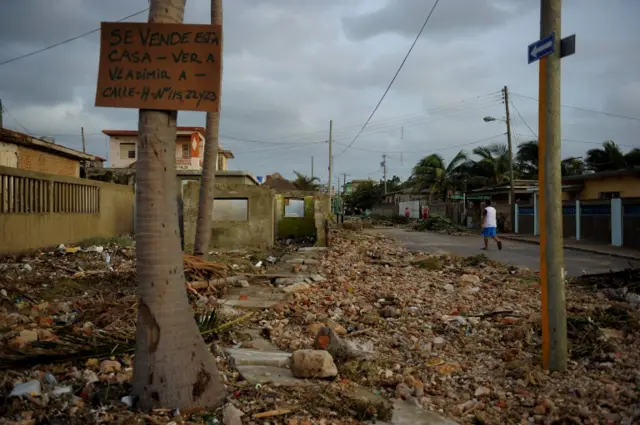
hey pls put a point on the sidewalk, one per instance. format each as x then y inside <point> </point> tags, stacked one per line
<point>626,253</point>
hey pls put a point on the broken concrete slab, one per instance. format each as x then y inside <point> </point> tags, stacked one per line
<point>249,357</point>
<point>294,260</point>
<point>276,376</point>
<point>290,280</point>
<point>313,249</point>
<point>257,342</point>
<point>408,414</point>
<point>253,298</point>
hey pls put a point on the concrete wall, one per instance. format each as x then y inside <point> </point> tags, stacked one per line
<point>8,155</point>
<point>12,155</point>
<point>95,209</point>
<point>258,231</point>
<point>628,186</point>
<point>311,224</point>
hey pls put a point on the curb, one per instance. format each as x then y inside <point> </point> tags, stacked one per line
<point>577,248</point>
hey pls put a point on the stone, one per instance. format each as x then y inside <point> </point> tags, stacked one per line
<point>403,391</point>
<point>388,312</point>
<point>469,279</point>
<point>274,376</point>
<point>318,278</point>
<point>249,357</point>
<point>110,366</point>
<point>449,287</point>
<point>231,415</point>
<point>366,404</point>
<point>314,328</point>
<point>313,364</point>
<point>406,414</point>
<point>327,339</point>
<point>482,392</point>
<point>438,342</point>
<point>242,283</point>
<point>540,410</point>
<point>289,280</point>
<point>29,336</point>
<point>418,388</point>
<point>296,288</point>
<point>337,327</point>
<point>27,388</point>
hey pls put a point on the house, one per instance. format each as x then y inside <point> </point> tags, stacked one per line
<point>602,186</point>
<point>190,142</point>
<point>19,150</point>
<point>403,195</point>
<point>353,185</point>
<point>500,193</point>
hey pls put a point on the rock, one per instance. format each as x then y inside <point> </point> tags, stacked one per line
<point>388,312</point>
<point>313,364</point>
<point>314,328</point>
<point>318,278</point>
<point>29,336</point>
<point>438,342</point>
<point>403,391</point>
<point>469,279</point>
<point>418,388</point>
<point>337,327</point>
<point>371,318</point>
<point>540,410</point>
<point>32,387</point>
<point>296,288</point>
<point>93,363</point>
<point>242,284</point>
<point>482,392</point>
<point>90,376</point>
<point>110,366</point>
<point>231,415</point>
<point>340,350</point>
<point>449,287</point>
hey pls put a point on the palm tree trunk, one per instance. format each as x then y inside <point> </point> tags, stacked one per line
<point>173,368</point>
<point>207,183</point>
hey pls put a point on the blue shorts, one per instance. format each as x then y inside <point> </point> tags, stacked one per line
<point>489,232</point>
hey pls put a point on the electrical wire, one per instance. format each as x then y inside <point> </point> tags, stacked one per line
<point>394,77</point>
<point>4,108</point>
<point>67,40</point>
<point>522,118</point>
<point>587,142</point>
<point>578,108</point>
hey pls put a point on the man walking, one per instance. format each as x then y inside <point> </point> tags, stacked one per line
<point>489,226</point>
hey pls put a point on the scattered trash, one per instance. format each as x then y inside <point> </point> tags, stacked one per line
<point>32,388</point>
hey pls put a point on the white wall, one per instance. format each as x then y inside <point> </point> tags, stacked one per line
<point>114,151</point>
<point>414,208</point>
<point>8,155</point>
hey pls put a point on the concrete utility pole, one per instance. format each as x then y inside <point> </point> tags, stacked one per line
<point>84,147</point>
<point>330,160</point>
<point>554,315</point>
<point>384,171</point>
<point>512,193</point>
<point>1,110</point>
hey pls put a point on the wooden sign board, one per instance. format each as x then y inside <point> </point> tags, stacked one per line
<point>159,66</point>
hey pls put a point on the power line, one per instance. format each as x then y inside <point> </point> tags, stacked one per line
<point>4,108</point>
<point>610,114</point>
<point>67,40</point>
<point>394,77</point>
<point>522,118</point>
<point>587,142</point>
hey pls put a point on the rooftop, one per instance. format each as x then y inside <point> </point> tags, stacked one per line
<point>17,138</point>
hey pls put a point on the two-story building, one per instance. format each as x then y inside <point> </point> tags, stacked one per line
<point>190,142</point>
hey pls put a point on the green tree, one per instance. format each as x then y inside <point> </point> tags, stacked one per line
<point>572,166</point>
<point>527,159</point>
<point>607,158</point>
<point>633,158</point>
<point>432,173</point>
<point>365,196</point>
<point>493,164</point>
<point>306,183</point>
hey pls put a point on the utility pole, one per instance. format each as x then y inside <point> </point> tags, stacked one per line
<point>384,171</point>
<point>312,168</point>
<point>512,193</point>
<point>330,160</point>
<point>554,315</point>
<point>84,147</point>
<point>1,110</point>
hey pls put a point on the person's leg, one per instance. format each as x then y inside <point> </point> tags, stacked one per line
<point>486,243</point>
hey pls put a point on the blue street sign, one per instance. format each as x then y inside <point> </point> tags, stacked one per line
<point>260,179</point>
<point>542,48</point>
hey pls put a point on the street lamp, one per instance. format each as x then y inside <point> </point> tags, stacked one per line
<point>512,196</point>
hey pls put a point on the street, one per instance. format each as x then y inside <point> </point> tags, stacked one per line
<point>513,252</point>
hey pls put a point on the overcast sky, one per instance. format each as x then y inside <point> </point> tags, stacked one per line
<point>292,65</point>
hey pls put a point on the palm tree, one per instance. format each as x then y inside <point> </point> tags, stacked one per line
<point>494,163</point>
<point>209,163</point>
<point>572,166</point>
<point>173,367</point>
<point>527,159</point>
<point>306,183</point>
<point>432,173</point>
<point>607,158</point>
<point>633,158</point>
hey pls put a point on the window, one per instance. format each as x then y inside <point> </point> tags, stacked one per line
<point>605,196</point>
<point>128,150</point>
<point>185,151</point>
<point>294,207</point>
<point>230,210</point>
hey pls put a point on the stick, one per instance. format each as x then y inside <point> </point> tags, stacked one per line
<point>271,413</point>
<point>228,324</point>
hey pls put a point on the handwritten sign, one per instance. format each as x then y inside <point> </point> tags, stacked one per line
<point>159,66</point>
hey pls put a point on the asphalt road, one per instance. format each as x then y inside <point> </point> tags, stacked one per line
<point>515,253</point>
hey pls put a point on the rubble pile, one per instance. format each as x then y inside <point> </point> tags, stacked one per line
<point>440,224</point>
<point>310,336</point>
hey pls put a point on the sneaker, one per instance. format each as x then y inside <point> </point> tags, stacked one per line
<point>500,245</point>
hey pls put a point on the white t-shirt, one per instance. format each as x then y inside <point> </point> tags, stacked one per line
<point>490,217</point>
